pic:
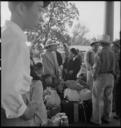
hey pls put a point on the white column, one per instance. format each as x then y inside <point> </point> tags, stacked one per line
<point>109,19</point>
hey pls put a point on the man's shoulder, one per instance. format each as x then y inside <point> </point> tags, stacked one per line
<point>11,33</point>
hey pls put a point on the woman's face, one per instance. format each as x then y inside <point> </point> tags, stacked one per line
<point>71,54</point>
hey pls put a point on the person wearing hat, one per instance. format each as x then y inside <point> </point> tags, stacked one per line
<point>89,61</point>
<point>116,49</point>
<point>49,59</point>
<point>103,82</point>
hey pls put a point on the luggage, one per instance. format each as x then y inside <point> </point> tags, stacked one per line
<point>60,119</point>
<point>88,109</point>
<point>75,111</point>
<point>74,95</point>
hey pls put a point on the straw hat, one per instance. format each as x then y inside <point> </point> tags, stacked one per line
<point>104,39</point>
<point>94,41</point>
<point>50,43</point>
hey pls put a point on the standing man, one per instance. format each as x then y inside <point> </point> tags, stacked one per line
<point>103,69</point>
<point>16,78</point>
<point>49,60</point>
<point>89,61</point>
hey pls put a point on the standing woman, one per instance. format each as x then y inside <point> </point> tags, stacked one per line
<point>74,65</point>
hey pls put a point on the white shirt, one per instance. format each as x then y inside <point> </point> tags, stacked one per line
<point>16,78</point>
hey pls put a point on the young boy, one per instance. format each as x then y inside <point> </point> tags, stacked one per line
<point>51,97</point>
<point>35,95</point>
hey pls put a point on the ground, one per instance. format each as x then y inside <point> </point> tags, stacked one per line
<point>113,123</point>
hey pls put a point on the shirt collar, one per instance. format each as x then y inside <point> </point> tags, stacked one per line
<point>16,28</point>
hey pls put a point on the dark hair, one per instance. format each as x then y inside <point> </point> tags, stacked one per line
<point>34,68</point>
<point>43,78</point>
<point>30,3</point>
<point>74,51</point>
<point>38,66</point>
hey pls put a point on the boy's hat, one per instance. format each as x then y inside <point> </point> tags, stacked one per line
<point>94,41</point>
<point>50,43</point>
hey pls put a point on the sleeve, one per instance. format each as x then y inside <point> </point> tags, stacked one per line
<point>86,60</point>
<point>77,65</point>
<point>56,65</point>
<point>96,66</point>
<point>37,98</point>
<point>12,100</point>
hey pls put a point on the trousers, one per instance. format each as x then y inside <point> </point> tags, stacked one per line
<point>102,92</point>
<point>90,79</point>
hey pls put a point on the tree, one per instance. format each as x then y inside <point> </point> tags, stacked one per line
<point>57,16</point>
<point>79,31</point>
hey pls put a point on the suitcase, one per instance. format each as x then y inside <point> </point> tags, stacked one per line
<point>88,109</point>
<point>74,110</point>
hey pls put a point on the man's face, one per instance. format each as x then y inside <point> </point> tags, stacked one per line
<point>95,46</point>
<point>33,14</point>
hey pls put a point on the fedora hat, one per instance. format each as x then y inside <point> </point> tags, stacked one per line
<point>104,39</point>
<point>50,43</point>
<point>93,41</point>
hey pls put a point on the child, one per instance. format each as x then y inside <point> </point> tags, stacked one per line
<point>36,94</point>
<point>51,97</point>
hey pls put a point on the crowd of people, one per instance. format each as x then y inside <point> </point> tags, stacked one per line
<point>35,81</point>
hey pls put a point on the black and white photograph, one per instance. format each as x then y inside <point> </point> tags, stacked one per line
<point>60,63</point>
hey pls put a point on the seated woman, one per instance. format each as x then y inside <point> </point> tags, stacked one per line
<point>51,97</point>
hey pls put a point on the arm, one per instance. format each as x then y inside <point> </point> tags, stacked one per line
<point>86,60</point>
<point>37,98</point>
<point>96,66</point>
<point>15,81</point>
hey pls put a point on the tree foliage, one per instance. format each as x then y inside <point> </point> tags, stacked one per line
<point>79,31</point>
<point>57,16</point>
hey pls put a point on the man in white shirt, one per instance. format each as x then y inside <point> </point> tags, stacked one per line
<point>16,78</point>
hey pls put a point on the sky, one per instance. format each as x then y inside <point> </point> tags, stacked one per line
<point>91,15</point>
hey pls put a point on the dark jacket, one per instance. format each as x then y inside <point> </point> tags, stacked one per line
<point>59,58</point>
<point>74,66</point>
<point>118,94</point>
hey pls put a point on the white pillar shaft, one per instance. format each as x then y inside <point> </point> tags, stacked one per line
<point>109,19</point>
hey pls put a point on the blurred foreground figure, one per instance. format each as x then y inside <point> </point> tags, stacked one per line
<point>16,77</point>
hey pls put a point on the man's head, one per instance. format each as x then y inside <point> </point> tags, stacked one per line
<point>27,13</point>
<point>104,40</point>
<point>51,45</point>
<point>95,46</point>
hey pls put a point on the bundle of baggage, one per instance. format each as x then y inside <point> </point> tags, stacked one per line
<point>60,119</point>
<point>52,101</point>
<point>76,102</point>
<point>70,97</point>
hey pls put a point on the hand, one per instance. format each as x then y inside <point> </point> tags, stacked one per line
<point>30,111</point>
